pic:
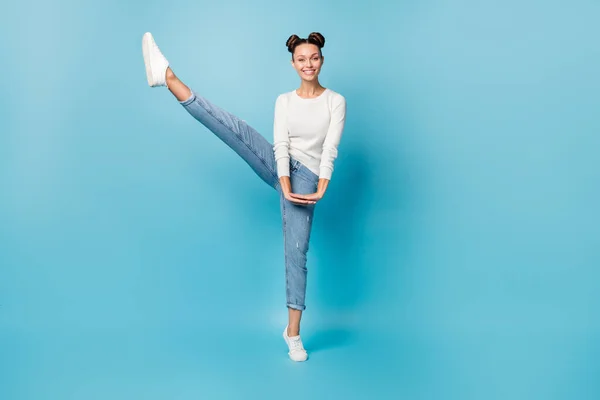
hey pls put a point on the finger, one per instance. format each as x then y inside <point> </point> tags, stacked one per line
<point>297,198</point>
<point>310,200</point>
<point>299,201</point>
<point>301,196</point>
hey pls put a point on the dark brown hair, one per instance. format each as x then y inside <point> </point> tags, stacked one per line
<point>314,38</point>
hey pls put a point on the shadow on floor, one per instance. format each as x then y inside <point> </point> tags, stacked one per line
<point>327,339</point>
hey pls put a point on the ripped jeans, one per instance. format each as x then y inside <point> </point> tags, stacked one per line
<point>258,153</point>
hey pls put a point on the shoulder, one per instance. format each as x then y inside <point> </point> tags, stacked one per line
<point>336,98</point>
<point>283,97</point>
<point>336,101</point>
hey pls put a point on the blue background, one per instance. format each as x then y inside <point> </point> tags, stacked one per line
<point>455,255</point>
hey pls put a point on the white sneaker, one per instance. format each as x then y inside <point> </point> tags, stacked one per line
<point>156,63</point>
<point>297,352</point>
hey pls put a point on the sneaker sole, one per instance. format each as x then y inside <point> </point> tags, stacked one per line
<point>146,47</point>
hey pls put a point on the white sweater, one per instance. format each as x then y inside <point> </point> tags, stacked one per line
<point>309,130</point>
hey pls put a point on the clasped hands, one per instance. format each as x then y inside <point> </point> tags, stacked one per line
<point>302,199</point>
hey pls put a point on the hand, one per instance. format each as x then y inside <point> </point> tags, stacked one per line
<point>313,197</point>
<point>302,199</point>
<point>294,198</point>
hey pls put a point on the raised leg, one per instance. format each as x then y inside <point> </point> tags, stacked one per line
<point>178,88</point>
<point>237,134</point>
<point>250,145</point>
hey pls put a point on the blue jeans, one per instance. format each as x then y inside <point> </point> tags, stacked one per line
<point>258,153</point>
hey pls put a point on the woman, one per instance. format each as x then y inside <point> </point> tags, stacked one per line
<point>308,126</point>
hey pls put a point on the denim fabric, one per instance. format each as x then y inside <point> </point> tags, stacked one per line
<point>258,153</point>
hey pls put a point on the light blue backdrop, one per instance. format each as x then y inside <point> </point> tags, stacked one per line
<point>455,255</point>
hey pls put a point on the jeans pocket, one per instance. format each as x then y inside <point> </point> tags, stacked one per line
<point>294,165</point>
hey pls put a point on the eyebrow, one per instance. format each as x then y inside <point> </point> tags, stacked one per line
<point>314,54</point>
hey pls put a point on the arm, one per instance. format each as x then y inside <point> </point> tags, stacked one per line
<point>330,145</point>
<point>281,139</point>
<point>322,187</point>
<point>281,146</point>
<point>333,137</point>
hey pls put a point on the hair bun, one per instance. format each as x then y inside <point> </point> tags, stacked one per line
<point>291,42</point>
<point>317,39</point>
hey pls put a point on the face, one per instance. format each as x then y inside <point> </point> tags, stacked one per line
<point>307,61</point>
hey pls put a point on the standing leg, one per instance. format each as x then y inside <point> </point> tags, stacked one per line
<point>297,225</point>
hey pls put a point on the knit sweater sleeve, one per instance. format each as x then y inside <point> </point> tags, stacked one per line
<point>281,140</point>
<point>332,139</point>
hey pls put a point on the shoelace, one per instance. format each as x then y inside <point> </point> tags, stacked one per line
<point>296,344</point>
<point>156,49</point>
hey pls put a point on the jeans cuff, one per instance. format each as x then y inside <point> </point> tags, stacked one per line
<point>189,100</point>
<point>296,306</point>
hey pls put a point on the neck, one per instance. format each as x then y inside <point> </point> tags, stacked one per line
<point>309,89</point>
